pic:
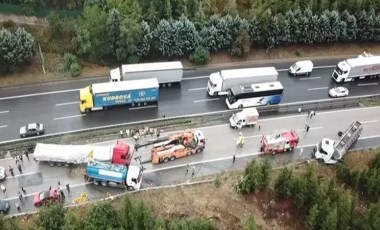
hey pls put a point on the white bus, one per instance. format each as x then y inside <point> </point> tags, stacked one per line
<point>268,93</point>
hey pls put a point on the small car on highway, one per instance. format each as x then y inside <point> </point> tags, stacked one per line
<point>2,174</point>
<point>301,68</point>
<point>4,206</point>
<point>32,129</point>
<point>46,196</point>
<point>338,92</point>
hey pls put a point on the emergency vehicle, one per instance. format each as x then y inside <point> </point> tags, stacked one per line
<point>284,141</point>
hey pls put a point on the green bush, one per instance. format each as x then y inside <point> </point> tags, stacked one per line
<point>201,56</point>
<point>217,182</point>
<point>75,69</point>
<point>70,65</point>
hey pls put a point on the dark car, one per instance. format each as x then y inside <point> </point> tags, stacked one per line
<point>4,206</point>
<point>33,129</point>
<point>46,196</point>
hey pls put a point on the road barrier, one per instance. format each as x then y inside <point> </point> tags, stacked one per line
<point>110,132</point>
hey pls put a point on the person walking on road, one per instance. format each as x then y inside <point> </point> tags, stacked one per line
<point>68,188</point>
<point>193,171</point>
<point>23,189</point>
<point>3,188</point>
<point>187,168</point>
<point>20,196</point>
<point>17,160</point>
<point>11,170</point>
<point>19,168</point>
<point>240,140</point>
<point>307,127</point>
<point>21,159</point>
<point>18,206</point>
<point>233,159</point>
<point>27,154</point>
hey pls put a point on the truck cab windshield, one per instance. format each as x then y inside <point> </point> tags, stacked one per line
<point>320,148</point>
<point>212,84</point>
<point>338,70</point>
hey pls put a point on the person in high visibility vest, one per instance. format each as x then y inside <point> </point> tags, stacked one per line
<point>240,140</point>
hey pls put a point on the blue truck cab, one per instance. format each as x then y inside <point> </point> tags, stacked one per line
<point>108,174</point>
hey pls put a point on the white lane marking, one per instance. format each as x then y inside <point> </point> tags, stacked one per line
<point>311,128</point>
<point>282,70</point>
<point>39,94</point>
<point>67,103</point>
<point>196,89</point>
<point>23,174</point>
<point>213,99</point>
<point>6,111</point>
<point>371,121</point>
<point>60,118</point>
<point>309,78</point>
<point>369,137</point>
<point>320,88</point>
<point>191,78</point>
<point>366,84</point>
<point>144,107</point>
<point>3,126</point>
<point>324,67</point>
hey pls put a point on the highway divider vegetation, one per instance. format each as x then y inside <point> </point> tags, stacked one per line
<point>131,31</point>
<point>349,200</point>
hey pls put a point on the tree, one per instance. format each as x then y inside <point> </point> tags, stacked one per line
<point>352,27</point>
<point>90,39</point>
<point>311,221</point>
<point>164,33</point>
<point>152,15</point>
<point>179,8</point>
<point>331,219</point>
<point>56,24</point>
<point>129,40</point>
<point>208,38</point>
<point>160,224</point>
<point>255,31</point>
<point>242,45</point>
<point>145,41</point>
<point>200,56</point>
<point>372,219</point>
<point>72,222</point>
<point>113,29</point>
<point>283,183</point>
<point>145,219</point>
<point>127,8</point>
<point>102,216</point>
<point>266,170</point>
<point>98,3</point>
<point>344,204</point>
<point>166,10</point>
<point>16,48</point>
<point>128,213</point>
<point>51,217</point>
<point>250,224</point>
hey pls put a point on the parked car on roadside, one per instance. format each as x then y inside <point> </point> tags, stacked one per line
<point>4,206</point>
<point>44,197</point>
<point>338,92</point>
<point>32,129</point>
<point>301,68</point>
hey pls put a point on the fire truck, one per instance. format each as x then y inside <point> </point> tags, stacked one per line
<point>284,141</point>
<point>175,146</point>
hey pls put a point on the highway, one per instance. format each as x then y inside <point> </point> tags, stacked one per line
<point>217,157</point>
<point>57,105</point>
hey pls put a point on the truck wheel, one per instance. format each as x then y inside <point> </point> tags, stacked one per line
<point>51,163</point>
<point>59,164</point>
<point>290,149</point>
<point>215,94</point>
<point>274,153</point>
<point>67,165</point>
<point>172,158</point>
<point>199,150</point>
<point>104,183</point>
<point>87,111</point>
<point>130,188</point>
<point>169,84</point>
<point>166,160</point>
<point>240,106</point>
<point>189,153</point>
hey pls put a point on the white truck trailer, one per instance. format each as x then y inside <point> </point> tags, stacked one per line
<point>166,73</point>
<point>330,152</point>
<point>55,154</point>
<point>247,117</point>
<point>220,82</point>
<point>362,67</point>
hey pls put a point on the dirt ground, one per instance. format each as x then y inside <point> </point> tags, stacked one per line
<point>34,73</point>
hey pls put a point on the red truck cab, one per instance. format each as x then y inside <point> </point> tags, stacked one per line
<point>121,153</point>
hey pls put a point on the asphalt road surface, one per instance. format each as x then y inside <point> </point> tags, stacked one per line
<point>57,105</point>
<point>217,157</point>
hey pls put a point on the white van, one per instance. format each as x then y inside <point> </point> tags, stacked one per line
<point>301,68</point>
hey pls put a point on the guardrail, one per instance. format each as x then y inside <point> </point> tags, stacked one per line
<point>112,131</point>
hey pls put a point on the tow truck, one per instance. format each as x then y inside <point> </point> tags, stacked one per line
<point>175,146</point>
<point>331,152</point>
<point>283,141</point>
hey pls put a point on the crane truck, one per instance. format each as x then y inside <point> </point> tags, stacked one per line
<point>54,154</point>
<point>284,141</point>
<point>166,73</point>
<point>107,174</point>
<point>364,66</point>
<point>175,146</point>
<point>330,151</point>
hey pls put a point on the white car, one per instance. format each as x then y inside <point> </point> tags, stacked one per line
<point>338,92</point>
<point>301,68</point>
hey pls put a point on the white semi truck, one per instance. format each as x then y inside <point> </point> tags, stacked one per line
<point>220,82</point>
<point>364,66</point>
<point>166,73</point>
<point>330,152</point>
<point>247,117</point>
